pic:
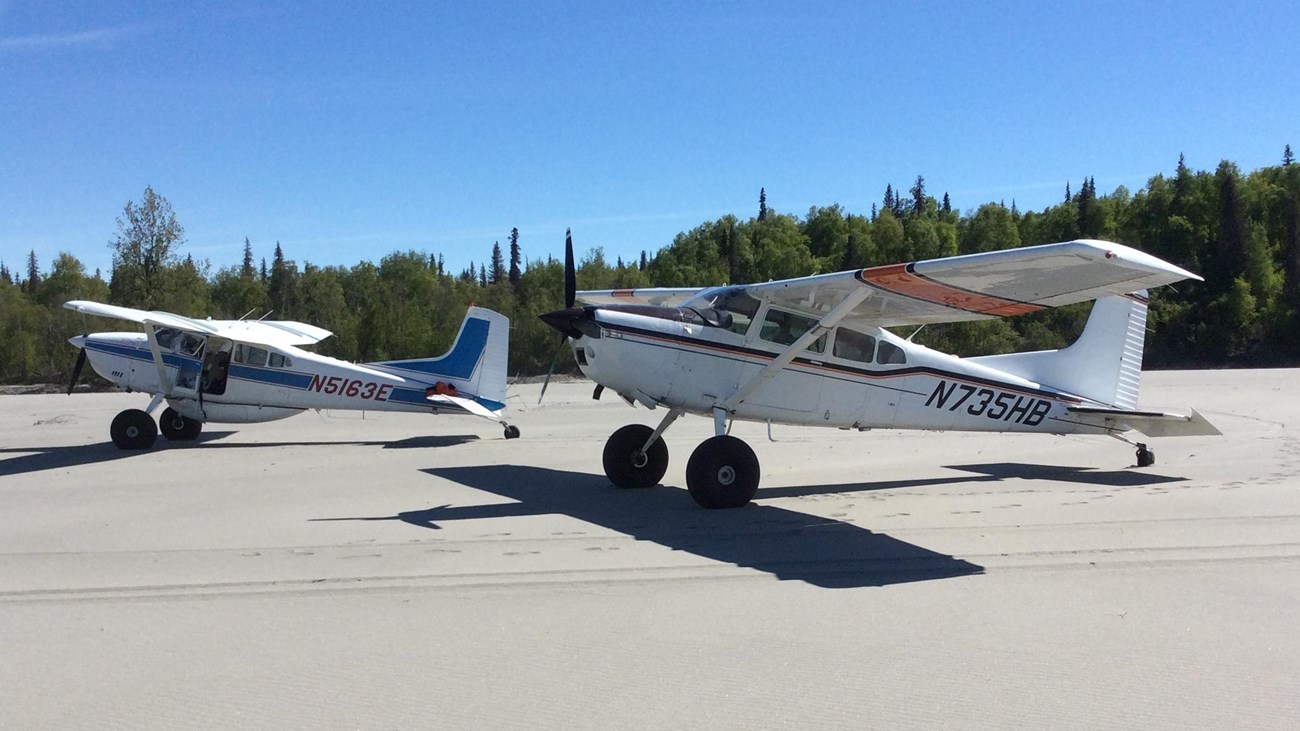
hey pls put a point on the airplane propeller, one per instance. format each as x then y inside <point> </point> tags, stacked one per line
<point>76,370</point>
<point>570,297</point>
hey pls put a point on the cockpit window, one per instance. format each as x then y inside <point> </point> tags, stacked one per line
<point>279,360</point>
<point>250,355</point>
<point>739,304</point>
<point>165,336</point>
<point>191,345</point>
<point>169,338</point>
<point>853,345</point>
<point>783,328</point>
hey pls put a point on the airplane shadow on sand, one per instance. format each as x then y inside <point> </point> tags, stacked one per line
<point>787,544</point>
<point>996,472</point>
<point>37,459</point>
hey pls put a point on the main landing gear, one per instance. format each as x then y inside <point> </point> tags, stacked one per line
<point>512,431</point>
<point>178,428</point>
<point>135,428</point>
<point>721,473</point>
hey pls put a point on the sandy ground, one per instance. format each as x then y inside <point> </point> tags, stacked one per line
<point>395,571</point>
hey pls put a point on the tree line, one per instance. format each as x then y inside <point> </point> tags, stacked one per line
<point>1239,231</point>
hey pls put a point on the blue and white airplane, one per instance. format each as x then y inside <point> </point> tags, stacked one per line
<point>245,371</point>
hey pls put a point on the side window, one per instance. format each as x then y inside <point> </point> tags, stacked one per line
<point>278,360</point>
<point>250,355</point>
<point>853,345</point>
<point>783,328</point>
<point>890,354</point>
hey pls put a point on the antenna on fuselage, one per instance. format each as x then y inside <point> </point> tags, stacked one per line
<point>246,314</point>
<point>914,332</point>
<point>263,317</point>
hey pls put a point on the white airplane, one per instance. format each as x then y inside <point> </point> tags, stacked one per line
<point>814,351</point>
<point>245,371</point>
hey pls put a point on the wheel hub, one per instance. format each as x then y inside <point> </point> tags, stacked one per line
<point>639,459</point>
<point>726,475</point>
<point>133,431</point>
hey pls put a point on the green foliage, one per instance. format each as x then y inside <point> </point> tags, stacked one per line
<point>1241,232</point>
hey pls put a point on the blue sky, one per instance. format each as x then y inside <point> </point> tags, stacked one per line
<point>347,131</point>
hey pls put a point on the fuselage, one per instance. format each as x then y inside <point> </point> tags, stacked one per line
<point>214,379</point>
<point>851,377</point>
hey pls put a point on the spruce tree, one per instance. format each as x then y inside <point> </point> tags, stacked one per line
<point>498,273</point>
<point>248,259</point>
<point>1287,157</point>
<point>850,260</point>
<point>33,282</point>
<point>947,204</point>
<point>5,276</point>
<point>515,273</point>
<point>889,197</point>
<point>918,196</point>
<point>762,204</point>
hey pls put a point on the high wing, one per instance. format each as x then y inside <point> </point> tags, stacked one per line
<point>974,286</point>
<point>657,296</point>
<point>260,332</point>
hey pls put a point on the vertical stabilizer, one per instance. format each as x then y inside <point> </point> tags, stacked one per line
<point>475,365</point>
<point>1103,365</point>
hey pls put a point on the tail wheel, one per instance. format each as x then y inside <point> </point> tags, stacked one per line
<point>626,465</point>
<point>1145,456</point>
<point>133,429</point>
<point>722,473</point>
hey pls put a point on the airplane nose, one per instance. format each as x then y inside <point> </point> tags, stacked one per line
<point>568,320</point>
<point>78,341</point>
<point>574,322</point>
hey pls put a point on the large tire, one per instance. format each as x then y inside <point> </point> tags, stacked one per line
<point>175,427</point>
<point>133,429</point>
<point>626,465</point>
<point>722,473</point>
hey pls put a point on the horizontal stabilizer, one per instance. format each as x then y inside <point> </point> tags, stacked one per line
<point>469,405</point>
<point>1150,423</point>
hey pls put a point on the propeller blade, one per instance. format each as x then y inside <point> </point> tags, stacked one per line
<point>76,370</point>
<point>570,276</point>
<point>551,370</point>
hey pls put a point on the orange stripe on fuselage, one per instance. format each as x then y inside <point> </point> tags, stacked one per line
<point>896,278</point>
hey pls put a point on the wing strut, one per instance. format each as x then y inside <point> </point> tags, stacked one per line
<point>163,386</point>
<point>830,320</point>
